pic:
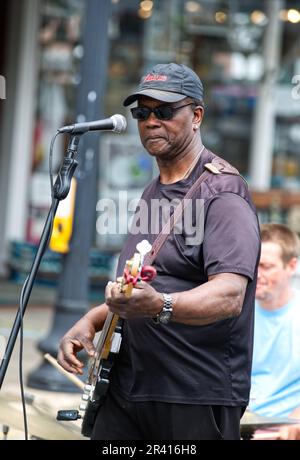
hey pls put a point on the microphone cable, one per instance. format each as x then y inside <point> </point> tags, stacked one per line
<point>21,306</point>
<point>21,303</point>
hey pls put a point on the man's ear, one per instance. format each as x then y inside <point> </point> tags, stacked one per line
<point>198,116</point>
<point>292,265</point>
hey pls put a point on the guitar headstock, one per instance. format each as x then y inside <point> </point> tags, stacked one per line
<point>134,270</point>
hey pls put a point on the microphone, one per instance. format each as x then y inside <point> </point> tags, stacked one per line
<point>116,123</point>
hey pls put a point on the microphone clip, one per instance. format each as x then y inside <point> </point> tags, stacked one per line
<point>63,181</point>
<point>76,129</point>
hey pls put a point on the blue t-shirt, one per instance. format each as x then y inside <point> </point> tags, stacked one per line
<point>275,380</point>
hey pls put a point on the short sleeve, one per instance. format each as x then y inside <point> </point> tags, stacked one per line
<point>231,237</point>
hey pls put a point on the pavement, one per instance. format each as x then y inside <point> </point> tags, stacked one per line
<point>42,406</point>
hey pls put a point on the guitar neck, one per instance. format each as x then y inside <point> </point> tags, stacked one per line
<point>104,343</point>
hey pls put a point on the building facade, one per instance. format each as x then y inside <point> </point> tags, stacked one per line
<point>246,52</point>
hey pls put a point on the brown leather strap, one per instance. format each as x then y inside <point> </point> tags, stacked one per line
<point>217,166</point>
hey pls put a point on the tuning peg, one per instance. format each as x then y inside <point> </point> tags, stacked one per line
<point>144,247</point>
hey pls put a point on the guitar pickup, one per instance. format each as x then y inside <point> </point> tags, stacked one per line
<point>116,343</point>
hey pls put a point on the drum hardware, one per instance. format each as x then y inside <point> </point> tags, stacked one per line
<point>251,422</point>
<point>42,423</point>
<point>5,431</point>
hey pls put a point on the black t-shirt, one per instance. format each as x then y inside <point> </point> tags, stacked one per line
<point>180,363</point>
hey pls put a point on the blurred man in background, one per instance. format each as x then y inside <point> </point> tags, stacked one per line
<point>275,390</point>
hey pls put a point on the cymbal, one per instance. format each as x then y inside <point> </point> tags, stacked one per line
<point>41,423</point>
<point>253,421</point>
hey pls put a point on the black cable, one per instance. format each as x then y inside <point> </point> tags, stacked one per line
<point>21,361</point>
<point>21,304</point>
<point>51,180</point>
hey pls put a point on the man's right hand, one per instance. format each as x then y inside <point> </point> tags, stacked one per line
<point>79,337</point>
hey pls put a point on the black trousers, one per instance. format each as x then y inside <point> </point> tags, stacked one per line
<point>118,419</point>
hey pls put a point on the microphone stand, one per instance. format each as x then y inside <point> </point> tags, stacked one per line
<point>61,189</point>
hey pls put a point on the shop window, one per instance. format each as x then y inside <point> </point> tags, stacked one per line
<point>60,52</point>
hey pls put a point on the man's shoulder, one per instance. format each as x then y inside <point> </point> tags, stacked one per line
<point>227,182</point>
<point>226,178</point>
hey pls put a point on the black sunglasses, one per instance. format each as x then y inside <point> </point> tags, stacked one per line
<point>165,112</point>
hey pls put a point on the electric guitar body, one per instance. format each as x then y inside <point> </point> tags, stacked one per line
<point>110,340</point>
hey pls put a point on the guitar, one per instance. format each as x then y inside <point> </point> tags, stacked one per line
<point>110,339</point>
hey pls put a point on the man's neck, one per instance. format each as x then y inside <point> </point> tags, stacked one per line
<point>178,168</point>
<point>276,302</point>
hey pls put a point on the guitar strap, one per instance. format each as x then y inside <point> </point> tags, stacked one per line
<point>217,166</point>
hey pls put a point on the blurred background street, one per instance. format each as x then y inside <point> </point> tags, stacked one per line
<point>67,61</point>
<point>42,410</point>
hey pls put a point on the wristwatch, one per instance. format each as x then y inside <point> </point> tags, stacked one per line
<point>165,315</point>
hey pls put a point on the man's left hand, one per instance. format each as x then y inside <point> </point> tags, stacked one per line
<point>144,301</point>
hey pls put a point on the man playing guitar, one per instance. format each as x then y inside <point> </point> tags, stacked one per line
<point>183,368</point>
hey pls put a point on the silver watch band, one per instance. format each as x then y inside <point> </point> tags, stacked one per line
<point>165,315</point>
<point>168,301</point>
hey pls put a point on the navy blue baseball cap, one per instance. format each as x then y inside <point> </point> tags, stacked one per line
<point>168,83</point>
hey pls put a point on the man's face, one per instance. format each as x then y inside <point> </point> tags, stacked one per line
<point>273,275</point>
<point>167,138</point>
